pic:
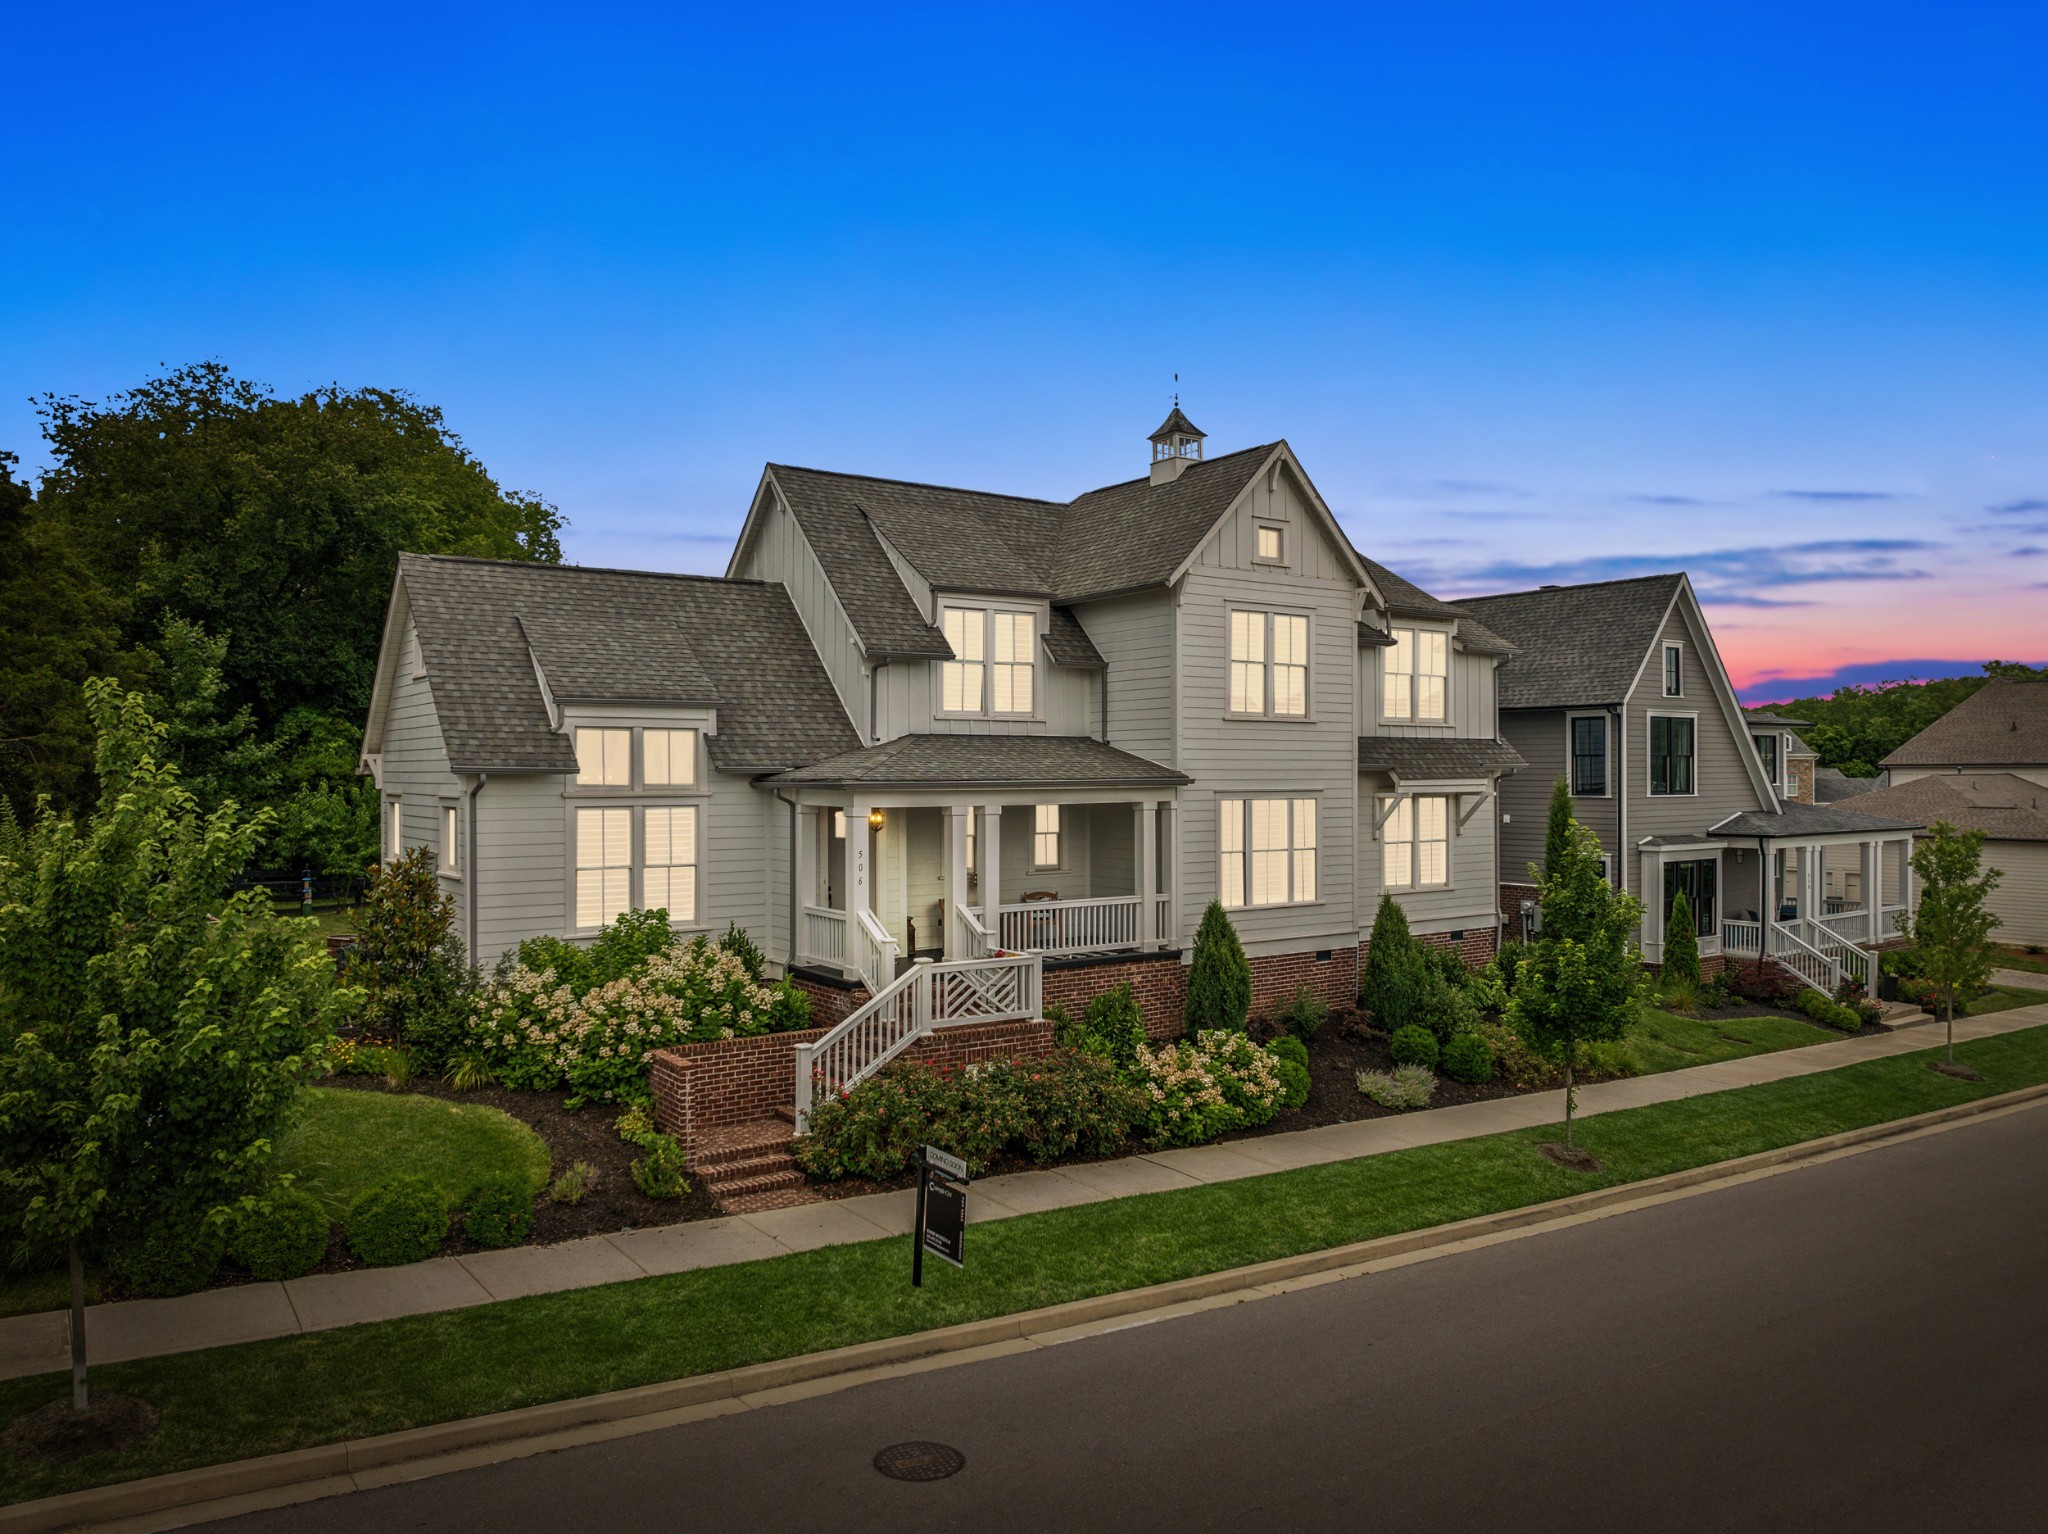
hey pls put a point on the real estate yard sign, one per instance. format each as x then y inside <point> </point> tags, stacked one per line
<point>941,1211</point>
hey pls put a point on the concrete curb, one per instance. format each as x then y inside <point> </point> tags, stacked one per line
<point>303,1474</point>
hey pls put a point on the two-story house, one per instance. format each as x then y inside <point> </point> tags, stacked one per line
<point>1618,688</point>
<point>919,721</point>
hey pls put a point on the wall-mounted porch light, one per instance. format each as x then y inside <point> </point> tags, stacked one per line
<point>875,818</point>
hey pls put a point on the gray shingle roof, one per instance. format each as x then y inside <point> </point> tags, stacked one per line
<point>643,658</point>
<point>2000,804</point>
<point>1136,534</point>
<point>988,761</point>
<point>1808,820</point>
<point>776,706</point>
<point>1422,759</point>
<point>1577,645</point>
<point>1831,785</point>
<point>1068,643</point>
<point>2002,724</point>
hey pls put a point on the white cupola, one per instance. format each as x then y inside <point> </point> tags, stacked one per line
<point>1176,444</point>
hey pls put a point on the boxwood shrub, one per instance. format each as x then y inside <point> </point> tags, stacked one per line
<point>498,1211</point>
<point>1468,1058</point>
<point>403,1220</point>
<point>283,1240</point>
<point>1414,1045</point>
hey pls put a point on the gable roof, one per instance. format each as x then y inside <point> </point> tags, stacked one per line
<point>1576,646</point>
<point>485,625</point>
<point>1810,820</point>
<point>2002,723</point>
<point>1136,534</point>
<point>1831,785</point>
<point>2002,805</point>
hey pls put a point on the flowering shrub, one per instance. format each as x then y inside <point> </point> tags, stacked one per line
<point>1196,1091</point>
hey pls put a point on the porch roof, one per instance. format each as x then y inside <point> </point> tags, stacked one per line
<point>987,761</point>
<point>1800,820</point>
<point>1430,759</point>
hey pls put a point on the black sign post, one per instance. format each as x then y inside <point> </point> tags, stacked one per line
<point>941,1211</point>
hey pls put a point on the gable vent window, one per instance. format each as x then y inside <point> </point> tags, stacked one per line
<point>669,757</point>
<point>1674,671</point>
<point>1418,671</point>
<point>1269,664</point>
<point>1271,545</point>
<point>604,758</point>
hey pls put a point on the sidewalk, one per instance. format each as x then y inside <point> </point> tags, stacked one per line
<point>40,1344</point>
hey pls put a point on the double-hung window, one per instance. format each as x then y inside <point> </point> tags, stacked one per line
<point>604,758</point>
<point>1418,672</point>
<point>1416,840</point>
<point>1671,754</point>
<point>1589,755</point>
<point>1268,852</point>
<point>993,665</point>
<point>604,865</point>
<point>668,877</point>
<point>1674,671</point>
<point>1045,836</point>
<point>1269,664</point>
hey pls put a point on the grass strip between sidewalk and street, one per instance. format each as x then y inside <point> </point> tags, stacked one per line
<point>288,1393</point>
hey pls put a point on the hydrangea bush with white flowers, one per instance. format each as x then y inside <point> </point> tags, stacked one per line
<point>1196,1090</point>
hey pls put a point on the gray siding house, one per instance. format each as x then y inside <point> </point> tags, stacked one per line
<point>915,721</point>
<point>1617,688</point>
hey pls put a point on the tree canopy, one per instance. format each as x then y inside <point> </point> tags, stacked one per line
<point>1854,728</point>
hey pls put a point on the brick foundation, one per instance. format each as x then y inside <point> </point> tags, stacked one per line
<point>832,999</point>
<point>1159,981</point>
<point>1476,946</point>
<point>1511,898</point>
<point>1277,976</point>
<point>700,1088</point>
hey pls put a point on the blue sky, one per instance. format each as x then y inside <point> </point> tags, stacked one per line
<point>1546,293</point>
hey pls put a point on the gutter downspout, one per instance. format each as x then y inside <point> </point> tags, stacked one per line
<point>1621,857</point>
<point>475,892</point>
<point>795,823</point>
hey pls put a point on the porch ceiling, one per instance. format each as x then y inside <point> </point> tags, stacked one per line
<point>986,762</point>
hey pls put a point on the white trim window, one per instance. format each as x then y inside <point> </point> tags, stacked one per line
<point>451,824</point>
<point>1771,749</point>
<point>994,669</point>
<point>394,829</point>
<point>1417,836</point>
<point>604,865</point>
<point>668,877</point>
<point>1418,676</point>
<point>604,757</point>
<point>1269,544</point>
<point>1269,664</point>
<point>1266,852</point>
<point>1674,670</point>
<point>1045,836</point>
<point>1673,745</point>
<point>1587,748</point>
<point>668,758</point>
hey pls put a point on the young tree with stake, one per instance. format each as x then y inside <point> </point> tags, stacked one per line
<point>1952,925</point>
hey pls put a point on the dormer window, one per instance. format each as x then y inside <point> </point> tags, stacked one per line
<point>604,758</point>
<point>993,662</point>
<point>1418,673</point>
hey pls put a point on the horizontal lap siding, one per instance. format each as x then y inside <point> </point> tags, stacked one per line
<point>1468,709</point>
<point>1135,636</point>
<point>907,702</point>
<point>524,857</point>
<point>1539,735</point>
<point>2021,898</point>
<point>1469,901</point>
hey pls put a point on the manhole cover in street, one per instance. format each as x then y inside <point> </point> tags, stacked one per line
<point>920,1461</point>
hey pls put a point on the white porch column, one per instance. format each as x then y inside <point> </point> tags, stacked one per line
<point>859,863</point>
<point>988,850</point>
<point>956,879</point>
<point>1169,835</point>
<point>1653,906</point>
<point>1146,843</point>
<point>1906,873</point>
<point>1870,874</point>
<point>1811,881</point>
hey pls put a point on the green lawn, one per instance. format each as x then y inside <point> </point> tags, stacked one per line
<point>265,1397</point>
<point>1666,1041</point>
<point>2014,958</point>
<point>343,1141</point>
<point>2003,998</point>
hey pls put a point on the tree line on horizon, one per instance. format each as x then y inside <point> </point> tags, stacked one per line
<point>229,552</point>
<point>1856,727</point>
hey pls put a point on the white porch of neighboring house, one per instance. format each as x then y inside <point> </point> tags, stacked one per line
<point>886,877</point>
<point>1818,900</point>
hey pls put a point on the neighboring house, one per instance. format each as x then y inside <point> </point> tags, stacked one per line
<point>2001,727</point>
<point>1618,688</point>
<point>1831,785</point>
<point>2011,811</point>
<point>1790,764</point>
<point>931,722</point>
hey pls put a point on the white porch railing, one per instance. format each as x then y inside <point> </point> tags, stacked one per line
<point>925,996</point>
<point>1074,926</point>
<point>1850,922</point>
<point>978,942</point>
<point>1162,919</point>
<point>824,937</point>
<point>874,951</point>
<point>1741,936</point>
<point>1804,960</point>
<point>1850,962</point>
<point>1814,953</point>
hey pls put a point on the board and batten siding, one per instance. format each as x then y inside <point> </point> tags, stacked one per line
<point>781,552</point>
<point>907,691</point>
<point>1135,635</point>
<point>1540,736</point>
<point>1268,758</point>
<point>1468,710</point>
<point>1721,754</point>
<point>414,766</point>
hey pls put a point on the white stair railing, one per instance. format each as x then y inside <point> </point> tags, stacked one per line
<point>978,942</point>
<point>1005,988</point>
<point>875,951</point>
<point>824,937</point>
<point>1804,960</point>
<point>1850,962</point>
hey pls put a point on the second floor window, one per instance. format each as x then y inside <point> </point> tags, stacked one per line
<point>1417,843</point>
<point>985,677</point>
<point>1589,755</point>
<point>1674,671</point>
<point>1418,675</point>
<point>604,758</point>
<point>1767,748</point>
<point>1671,754</point>
<point>1267,852</point>
<point>1269,664</point>
<point>668,758</point>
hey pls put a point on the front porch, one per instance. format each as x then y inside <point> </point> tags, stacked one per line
<point>884,879</point>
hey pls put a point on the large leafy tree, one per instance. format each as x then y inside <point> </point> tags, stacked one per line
<point>1951,926</point>
<point>1854,728</point>
<point>274,523</point>
<point>1582,982</point>
<point>154,1028</point>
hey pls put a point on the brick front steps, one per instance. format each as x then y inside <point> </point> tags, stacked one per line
<point>747,1167</point>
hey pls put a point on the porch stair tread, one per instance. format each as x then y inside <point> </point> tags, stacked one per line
<point>748,1167</point>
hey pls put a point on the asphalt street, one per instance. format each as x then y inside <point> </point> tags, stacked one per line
<point>1856,1345</point>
